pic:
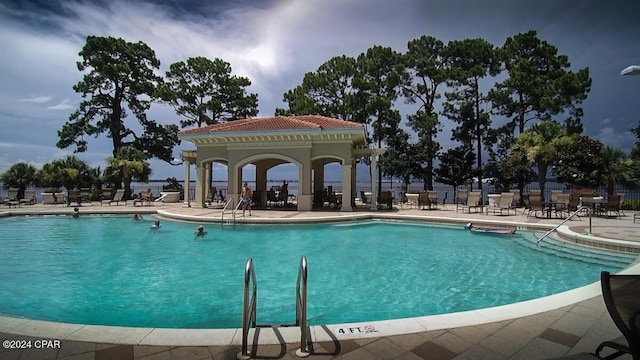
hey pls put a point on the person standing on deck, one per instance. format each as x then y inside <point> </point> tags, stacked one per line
<point>246,196</point>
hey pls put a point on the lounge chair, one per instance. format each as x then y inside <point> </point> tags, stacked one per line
<point>117,198</point>
<point>85,195</point>
<point>504,204</point>
<point>423,200</point>
<point>473,202</point>
<point>12,198</point>
<point>364,199</point>
<point>535,204</point>
<point>461,198</point>
<point>516,199</point>
<point>73,196</point>
<point>29,197</point>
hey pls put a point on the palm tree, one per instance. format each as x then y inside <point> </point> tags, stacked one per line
<point>617,167</point>
<point>70,172</point>
<point>20,175</point>
<point>540,145</point>
<point>128,164</point>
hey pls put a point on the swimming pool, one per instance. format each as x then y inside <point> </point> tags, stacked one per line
<point>108,270</point>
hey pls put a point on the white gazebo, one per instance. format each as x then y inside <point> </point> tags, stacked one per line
<point>309,142</point>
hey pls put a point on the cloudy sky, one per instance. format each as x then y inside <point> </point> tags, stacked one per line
<point>274,42</point>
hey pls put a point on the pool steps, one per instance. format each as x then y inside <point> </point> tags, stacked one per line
<point>565,249</point>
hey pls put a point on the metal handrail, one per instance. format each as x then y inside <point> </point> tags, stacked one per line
<point>562,222</point>
<point>301,307</point>
<point>224,209</point>
<point>248,307</point>
<point>235,210</point>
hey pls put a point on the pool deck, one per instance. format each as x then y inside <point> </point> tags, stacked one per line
<point>563,324</point>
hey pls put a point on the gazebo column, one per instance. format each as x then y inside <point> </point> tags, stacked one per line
<point>305,194</point>
<point>200,185</point>
<point>234,176</point>
<point>261,182</point>
<point>318,176</point>
<point>374,182</point>
<point>354,187</point>
<point>346,188</point>
<point>187,184</point>
<point>207,180</point>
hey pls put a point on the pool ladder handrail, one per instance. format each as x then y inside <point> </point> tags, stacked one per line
<point>224,209</point>
<point>301,307</point>
<point>562,223</point>
<point>249,305</point>
<point>235,210</point>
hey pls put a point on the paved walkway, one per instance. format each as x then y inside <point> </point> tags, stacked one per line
<point>559,325</point>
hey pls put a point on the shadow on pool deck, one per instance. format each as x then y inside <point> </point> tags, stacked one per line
<point>570,328</point>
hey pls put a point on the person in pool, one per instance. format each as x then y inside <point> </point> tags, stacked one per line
<point>76,213</point>
<point>156,224</point>
<point>136,217</point>
<point>200,231</point>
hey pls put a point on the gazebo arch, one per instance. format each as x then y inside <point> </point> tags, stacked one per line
<point>300,140</point>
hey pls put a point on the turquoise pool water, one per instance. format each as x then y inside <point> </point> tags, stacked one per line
<point>109,270</point>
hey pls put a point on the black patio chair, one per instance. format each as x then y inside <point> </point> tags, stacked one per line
<point>621,295</point>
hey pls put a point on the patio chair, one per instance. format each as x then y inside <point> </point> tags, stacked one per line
<point>423,200</point>
<point>562,205</point>
<point>505,203</point>
<point>461,197</point>
<point>272,198</point>
<point>29,197</point>
<point>473,202</point>
<point>621,295</point>
<point>364,199</point>
<point>535,204</point>
<point>73,196</point>
<point>621,203</point>
<point>612,205</point>
<point>386,200</point>
<point>516,199</point>
<point>444,201</point>
<point>85,194</point>
<point>527,204</point>
<point>117,198</point>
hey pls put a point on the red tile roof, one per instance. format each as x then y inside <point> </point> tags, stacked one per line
<point>276,123</point>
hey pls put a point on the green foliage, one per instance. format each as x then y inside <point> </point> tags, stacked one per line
<point>70,172</point>
<point>617,168</point>
<point>20,175</point>
<point>538,84</point>
<point>172,185</point>
<point>578,161</point>
<point>456,166</point>
<point>399,159</point>
<point>204,92</point>
<point>540,145</point>
<point>118,76</point>
<point>425,72</point>
<point>328,91</point>
<point>128,164</point>
<point>469,62</point>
